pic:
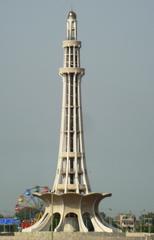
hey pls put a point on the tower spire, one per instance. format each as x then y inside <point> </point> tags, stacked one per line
<point>71,26</point>
<point>71,174</point>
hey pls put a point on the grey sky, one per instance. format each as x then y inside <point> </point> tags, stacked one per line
<point>118,95</point>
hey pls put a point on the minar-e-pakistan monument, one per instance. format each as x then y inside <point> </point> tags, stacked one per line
<point>71,201</point>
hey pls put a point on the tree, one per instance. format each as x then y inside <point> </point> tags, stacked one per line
<point>146,222</point>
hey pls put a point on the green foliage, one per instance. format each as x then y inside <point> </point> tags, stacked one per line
<point>145,223</point>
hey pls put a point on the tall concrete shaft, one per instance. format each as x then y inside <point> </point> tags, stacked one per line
<point>71,174</point>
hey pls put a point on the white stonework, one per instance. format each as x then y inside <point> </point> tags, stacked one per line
<point>71,202</point>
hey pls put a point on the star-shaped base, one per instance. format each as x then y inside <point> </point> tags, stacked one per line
<point>71,212</point>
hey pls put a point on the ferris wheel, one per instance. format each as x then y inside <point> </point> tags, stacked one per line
<point>28,206</point>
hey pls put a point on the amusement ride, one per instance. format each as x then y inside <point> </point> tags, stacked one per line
<point>29,208</point>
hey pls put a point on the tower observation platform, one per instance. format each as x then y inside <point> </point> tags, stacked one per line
<point>71,204</point>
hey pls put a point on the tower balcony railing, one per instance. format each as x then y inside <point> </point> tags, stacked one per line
<point>70,43</point>
<point>71,171</point>
<point>68,70</point>
<point>72,154</point>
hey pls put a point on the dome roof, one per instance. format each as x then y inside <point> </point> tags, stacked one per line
<point>71,14</point>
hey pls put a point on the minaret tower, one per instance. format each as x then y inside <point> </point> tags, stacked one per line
<point>71,205</point>
<point>71,174</point>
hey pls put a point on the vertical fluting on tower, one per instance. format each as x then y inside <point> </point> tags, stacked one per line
<point>71,174</point>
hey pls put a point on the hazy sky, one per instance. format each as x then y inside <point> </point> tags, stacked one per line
<point>117,92</point>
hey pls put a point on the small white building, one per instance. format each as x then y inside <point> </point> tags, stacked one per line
<point>126,221</point>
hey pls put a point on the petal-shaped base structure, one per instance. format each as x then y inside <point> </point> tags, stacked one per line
<point>70,212</point>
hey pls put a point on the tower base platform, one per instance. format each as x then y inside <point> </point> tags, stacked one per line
<point>76,236</point>
<point>71,212</point>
